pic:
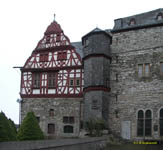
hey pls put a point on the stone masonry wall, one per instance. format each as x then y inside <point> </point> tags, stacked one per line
<point>62,107</point>
<point>58,144</point>
<point>133,93</point>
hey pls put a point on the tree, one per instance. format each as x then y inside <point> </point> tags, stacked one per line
<point>29,129</point>
<point>7,132</point>
<point>13,129</point>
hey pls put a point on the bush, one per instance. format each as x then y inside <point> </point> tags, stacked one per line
<point>95,127</point>
<point>29,129</point>
<point>7,129</point>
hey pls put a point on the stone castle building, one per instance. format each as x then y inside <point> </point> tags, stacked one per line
<point>115,75</point>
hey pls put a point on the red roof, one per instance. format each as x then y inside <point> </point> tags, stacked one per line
<point>54,27</point>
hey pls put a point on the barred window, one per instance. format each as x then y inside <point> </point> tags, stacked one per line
<point>51,128</point>
<point>68,119</point>
<point>68,129</point>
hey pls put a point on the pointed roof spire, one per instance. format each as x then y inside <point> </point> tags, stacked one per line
<point>54,17</point>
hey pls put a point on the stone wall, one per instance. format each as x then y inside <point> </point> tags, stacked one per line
<point>62,107</point>
<point>59,144</point>
<point>133,93</point>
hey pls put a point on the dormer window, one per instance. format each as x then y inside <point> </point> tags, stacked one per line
<point>159,17</point>
<point>132,22</point>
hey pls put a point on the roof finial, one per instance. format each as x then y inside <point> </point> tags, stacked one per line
<point>54,17</point>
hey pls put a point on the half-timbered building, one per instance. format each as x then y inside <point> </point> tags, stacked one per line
<point>52,83</point>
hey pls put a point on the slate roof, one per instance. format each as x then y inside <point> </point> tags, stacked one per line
<point>142,20</point>
<point>78,46</point>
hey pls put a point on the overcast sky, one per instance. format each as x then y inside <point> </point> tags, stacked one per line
<point>23,23</point>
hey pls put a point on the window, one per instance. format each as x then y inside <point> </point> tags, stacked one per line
<point>148,123</point>
<point>159,17</point>
<point>144,123</point>
<point>94,104</point>
<point>67,119</point>
<point>47,39</point>
<point>140,123</point>
<point>36,80</point>
<point>161,68</point>
<point>43,57</point>
<point>62,56</point>
<point>86,42</point>
<point>51,128</point>
<point>58,37</point>
<point>38,119</point>
<point>140,70</point>
<point>68,129</point>
<point>78,82</point>
<point>51,80</point>
<point>143,70</point>
<point>71,82</point>
<point>161,122</point>
<point>146,70</point>
<point>132,22</point>
<point>51,112</point>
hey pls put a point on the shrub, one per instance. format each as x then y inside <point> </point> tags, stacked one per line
<point>29,129</point>
<point>95,127</point>
<point>7,131</point>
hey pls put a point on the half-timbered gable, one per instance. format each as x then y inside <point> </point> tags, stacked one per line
<point>54,68</point>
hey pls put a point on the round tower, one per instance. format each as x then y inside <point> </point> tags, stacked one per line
<point>97,58</point>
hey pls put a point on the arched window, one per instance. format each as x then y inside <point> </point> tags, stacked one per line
<point>140,123</point>
<point>68,129</point>
<point>159,16</point>
<point>148,123</point>
<point>161,122</point>
<point>132,22</point>
<point>144,123</point>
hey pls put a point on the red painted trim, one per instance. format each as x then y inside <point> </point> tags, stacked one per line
<point>51,95</point>
<point>97,55</point>
<point>50,69</point>
<point>53,49</point>
<point>96,88</point>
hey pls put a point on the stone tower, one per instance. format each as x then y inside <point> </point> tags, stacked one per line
<point>97,57</point>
